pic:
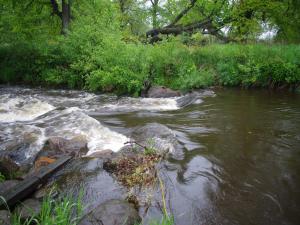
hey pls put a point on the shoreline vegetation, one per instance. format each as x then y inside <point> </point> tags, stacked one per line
<point>112,46</point>
<point>129,69</point>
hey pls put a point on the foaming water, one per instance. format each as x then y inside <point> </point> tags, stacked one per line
<point>22,109</point>
<point>34,115</point>
<point>72,122</point>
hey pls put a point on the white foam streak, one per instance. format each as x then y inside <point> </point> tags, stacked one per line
<point>145,104</point>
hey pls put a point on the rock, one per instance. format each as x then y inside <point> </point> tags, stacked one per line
<point>7,185</point>
<point>17,152</point>
<point>13,160</point>
<point>112,212</point>
<point>188,100</point>
<point>43,161</point>
<point>162,92</point>
<point>28,209</point>
<point>104,154</point>
<point>154,136</point>
<point>45,191</point>
<point>57,146</point>
<point>8,166</point>
<point>4,217</point>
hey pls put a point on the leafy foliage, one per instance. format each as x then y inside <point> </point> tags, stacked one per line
<point>252,65</point>
<point>101,53</point>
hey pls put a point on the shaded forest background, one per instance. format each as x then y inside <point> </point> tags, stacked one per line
<point>122,46</point>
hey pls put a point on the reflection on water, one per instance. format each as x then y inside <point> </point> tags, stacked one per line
<point>241,149</point>
<point>241,162</point>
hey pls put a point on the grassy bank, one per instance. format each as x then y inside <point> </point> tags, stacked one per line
<point>116,66</point>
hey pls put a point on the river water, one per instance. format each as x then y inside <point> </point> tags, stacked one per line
<point>240,161</point>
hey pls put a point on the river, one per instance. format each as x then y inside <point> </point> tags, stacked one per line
<point>240,161</point>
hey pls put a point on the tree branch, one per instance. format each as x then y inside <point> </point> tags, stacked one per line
<point>182,13</point>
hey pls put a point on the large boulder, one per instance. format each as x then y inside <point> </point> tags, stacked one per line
<point>162,92</point>
<point>112,212</point>
<point>154,137</point>
<point>58,146</point>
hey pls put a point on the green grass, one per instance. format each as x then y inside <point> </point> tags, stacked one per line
<point>64,211</point>
<point>166,220</point>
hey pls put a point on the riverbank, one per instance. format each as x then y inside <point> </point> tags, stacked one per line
<point>126,68</point>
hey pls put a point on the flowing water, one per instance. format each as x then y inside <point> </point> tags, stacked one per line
<point>241,149</point>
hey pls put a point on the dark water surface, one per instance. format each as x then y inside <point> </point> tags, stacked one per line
<point>241,163</point>
<point>241,149</point>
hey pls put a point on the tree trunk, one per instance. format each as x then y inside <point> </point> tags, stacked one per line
<point>154,13</point>
<point>66,16</point>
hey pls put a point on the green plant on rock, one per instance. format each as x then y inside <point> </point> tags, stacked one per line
<point>149,149</point>
<point>2,177</point>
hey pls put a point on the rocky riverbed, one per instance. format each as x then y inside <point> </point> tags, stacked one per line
<point>120,173</point>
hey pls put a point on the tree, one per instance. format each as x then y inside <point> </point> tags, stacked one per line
<point>204,19</point>
<point>64,14</point>
<point>242,19</point>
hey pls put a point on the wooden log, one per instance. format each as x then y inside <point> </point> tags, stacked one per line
<point>30,184</point>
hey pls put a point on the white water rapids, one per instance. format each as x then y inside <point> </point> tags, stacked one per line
<point>34,115</point>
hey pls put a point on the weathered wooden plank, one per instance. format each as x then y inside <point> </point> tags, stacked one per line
<point>30,184</point>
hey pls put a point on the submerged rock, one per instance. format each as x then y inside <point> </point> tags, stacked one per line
<point>162,92</point>
<point>87,174</point>
<point>187,100</point>
<point>112,212</point>
<point>4,217</point>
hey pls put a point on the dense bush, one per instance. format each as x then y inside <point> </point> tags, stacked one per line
<point>252,65</point>
<point>113,65</point>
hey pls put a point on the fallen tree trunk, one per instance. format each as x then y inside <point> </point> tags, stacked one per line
<point>30,184</point>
